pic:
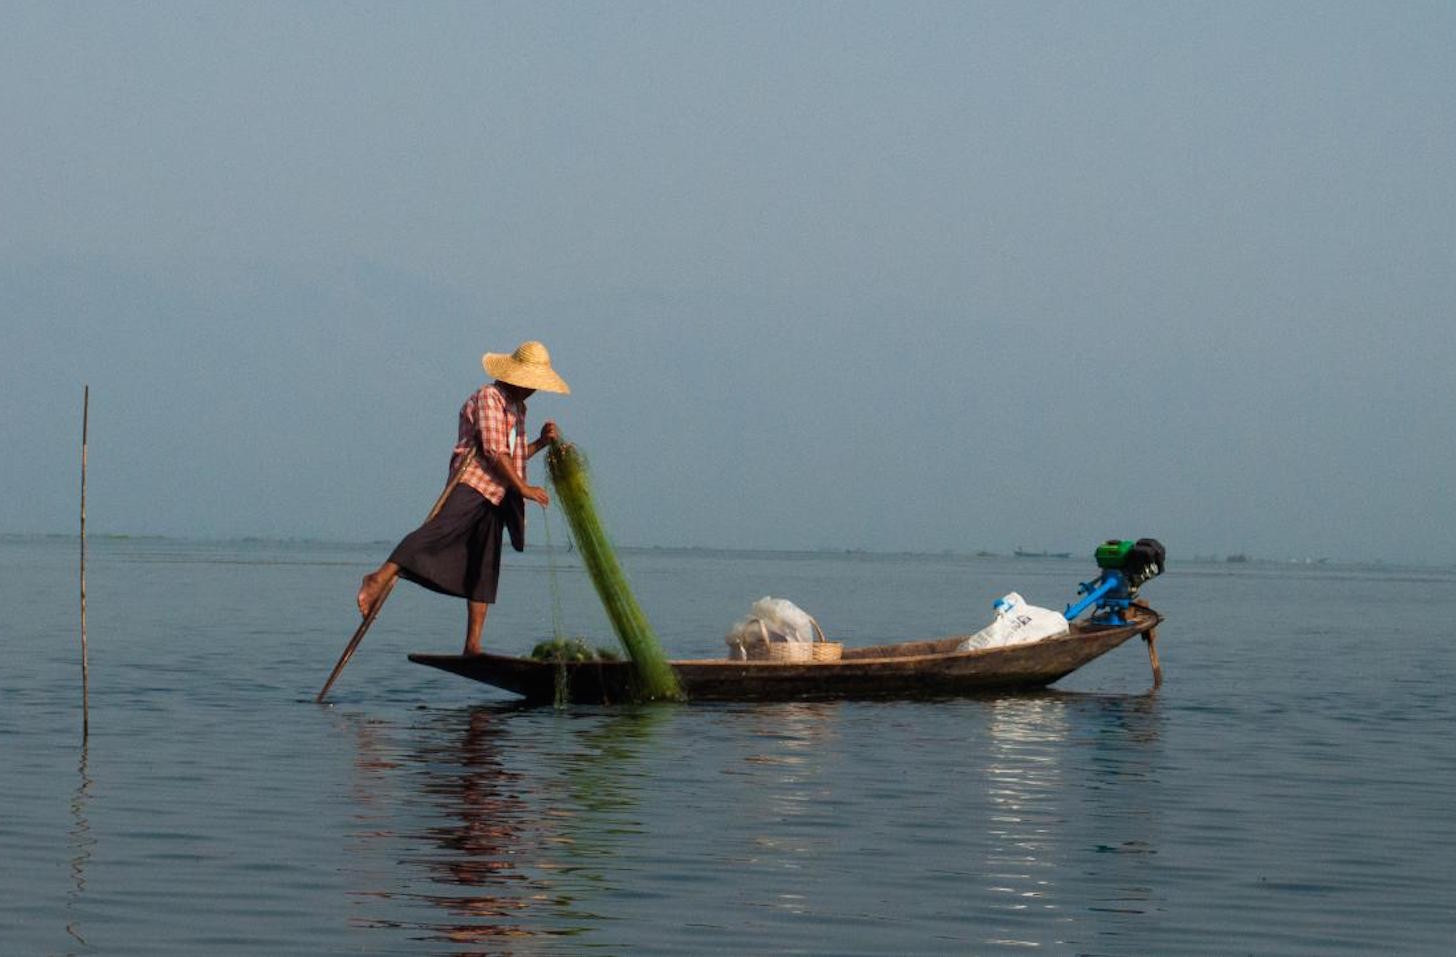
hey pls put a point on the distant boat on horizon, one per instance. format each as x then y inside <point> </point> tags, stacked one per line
<point>1023,553</point>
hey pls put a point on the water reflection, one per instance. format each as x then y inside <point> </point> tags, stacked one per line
<point>514,842</point>
<point>1028,820</point>
<point>1042,813</point>
<point>486,830</point>
<point>1024,780</point>
<point>787,737</point>
<point>1124,754</point>
<point>789,800</point>
<point>82,846</point>
<point>603,779</point>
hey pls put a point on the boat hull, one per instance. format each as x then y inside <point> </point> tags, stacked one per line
<point>906,670</point>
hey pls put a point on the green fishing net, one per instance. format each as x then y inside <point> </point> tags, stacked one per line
<point>654,678</point>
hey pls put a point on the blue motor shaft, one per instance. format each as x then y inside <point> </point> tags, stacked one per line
<point>1109,582</point>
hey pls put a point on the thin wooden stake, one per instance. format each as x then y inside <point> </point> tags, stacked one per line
<point>85,656</point>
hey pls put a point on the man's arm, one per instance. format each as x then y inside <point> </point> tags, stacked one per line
<point>501,466</point>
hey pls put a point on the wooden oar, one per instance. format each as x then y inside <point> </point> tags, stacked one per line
<point>389,584</point>
<point>1151,637</point>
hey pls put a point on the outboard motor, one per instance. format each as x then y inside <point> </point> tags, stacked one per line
<point>1126,566</point>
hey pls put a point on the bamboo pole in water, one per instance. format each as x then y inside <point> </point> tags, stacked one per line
<point>85,662</point>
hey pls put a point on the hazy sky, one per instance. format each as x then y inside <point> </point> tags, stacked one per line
<point>889,276</point>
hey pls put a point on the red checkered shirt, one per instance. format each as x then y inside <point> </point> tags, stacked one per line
<point>489,422</point>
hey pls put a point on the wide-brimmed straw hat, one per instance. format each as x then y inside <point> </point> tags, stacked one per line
<point>528,367</point>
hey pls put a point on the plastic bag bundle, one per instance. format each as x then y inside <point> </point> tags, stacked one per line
<point>1017,623</point>
<point>769,620</point>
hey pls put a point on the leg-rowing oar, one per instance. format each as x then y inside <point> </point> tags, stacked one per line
<point>1151,637</point>
<point>389,583</point>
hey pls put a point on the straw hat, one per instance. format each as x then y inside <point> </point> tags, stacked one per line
<point>528,367</point>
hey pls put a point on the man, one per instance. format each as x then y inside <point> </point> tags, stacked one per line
<point>458,551</point>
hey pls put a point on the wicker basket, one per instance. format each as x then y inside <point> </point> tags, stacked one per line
<point>791,651</point>
<point>821,649</point>
<point>826,651</point>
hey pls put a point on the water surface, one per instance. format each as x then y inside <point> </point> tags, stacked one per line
<point>1285,792</point>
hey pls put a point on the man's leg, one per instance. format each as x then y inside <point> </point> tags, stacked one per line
<point>373,586</point>
<point>475,612</point>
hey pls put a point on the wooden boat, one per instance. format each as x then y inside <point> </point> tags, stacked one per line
<point>907,670</point>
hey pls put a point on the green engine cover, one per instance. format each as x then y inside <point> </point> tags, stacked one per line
<point>1113,553</point>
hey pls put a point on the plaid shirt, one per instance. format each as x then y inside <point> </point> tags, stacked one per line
<point>489,422</point>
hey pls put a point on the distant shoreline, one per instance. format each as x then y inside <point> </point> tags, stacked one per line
<point>1231,562</point>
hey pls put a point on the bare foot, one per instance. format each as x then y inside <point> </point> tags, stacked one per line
<point>473,649</point>
<point>370,590</point>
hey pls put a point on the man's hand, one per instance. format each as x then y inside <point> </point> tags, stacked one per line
<point>537,494</point>
<point>549,433</point>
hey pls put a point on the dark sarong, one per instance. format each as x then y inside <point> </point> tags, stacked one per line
<point>458,552</point>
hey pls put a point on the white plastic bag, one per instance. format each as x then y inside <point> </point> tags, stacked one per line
<point>774,619</point>
<point>1017,623</point>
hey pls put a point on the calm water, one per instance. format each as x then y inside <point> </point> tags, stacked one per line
<point>1286,792</point>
